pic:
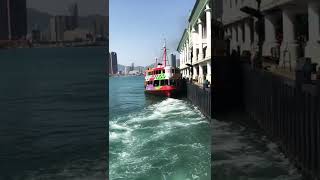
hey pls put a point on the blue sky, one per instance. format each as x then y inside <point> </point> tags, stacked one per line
<point>138,27</point>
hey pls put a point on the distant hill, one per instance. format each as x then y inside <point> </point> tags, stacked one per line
<point>122,67</point>
<point>37,18</point>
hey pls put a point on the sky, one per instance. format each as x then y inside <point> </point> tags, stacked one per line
<point>138,28</point>
<point>57,7</point>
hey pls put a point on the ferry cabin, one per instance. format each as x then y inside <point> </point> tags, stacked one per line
<point>163,76</point>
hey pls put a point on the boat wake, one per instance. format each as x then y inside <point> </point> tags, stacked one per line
<point>167,140</point>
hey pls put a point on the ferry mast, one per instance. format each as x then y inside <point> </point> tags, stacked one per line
<point>165,53</point>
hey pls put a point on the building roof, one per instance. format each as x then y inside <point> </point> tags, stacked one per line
<point>199,7</point>
<point>183,39</point>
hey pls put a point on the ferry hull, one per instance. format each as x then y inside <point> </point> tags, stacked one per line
<point>165,93</point>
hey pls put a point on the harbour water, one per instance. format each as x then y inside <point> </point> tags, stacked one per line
<point>53,110</point>
<point>242,153</point>
<point>155,138</point>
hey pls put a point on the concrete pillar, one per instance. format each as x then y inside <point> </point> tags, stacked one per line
<point>313,47</point>
<point>200,77</point>
<point>208,19</point>
<point>233,38</point>
<point>188,51</point>
<point>181,57</point>
<point>194,47</point>
<point>185,53</point>
<point>195,73</point>
<point>254,46</point>
<point>240,38</point>
<point>247,41</point>
<point>209,71</point>
<point>200,35</point>
<point>289,42</point>
<point>270,35</point>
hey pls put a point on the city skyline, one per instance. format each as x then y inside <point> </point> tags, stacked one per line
<point>154,21</point>
<point>60,7</point>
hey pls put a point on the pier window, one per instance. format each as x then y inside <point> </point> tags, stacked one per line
<point>156,83</point>
<point>172,71</point>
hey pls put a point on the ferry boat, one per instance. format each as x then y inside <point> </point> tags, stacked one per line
<point>163,79</point>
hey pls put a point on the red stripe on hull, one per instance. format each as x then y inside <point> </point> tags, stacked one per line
<point>166,93</point>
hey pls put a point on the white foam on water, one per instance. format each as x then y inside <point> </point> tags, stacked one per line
<point>140,130</point>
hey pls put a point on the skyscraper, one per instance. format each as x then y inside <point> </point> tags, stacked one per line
<point>132,67</point>
<point>109,63</point>
<point>4,20</point>
<point>114,63</point>
<point>100,26</point>
<point>13,19</point>
<point>173,61</point>
<point>74,16</point>
<point>57,28</point>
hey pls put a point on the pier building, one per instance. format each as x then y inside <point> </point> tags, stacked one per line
<point>291,29</point>
<point>195,44</point>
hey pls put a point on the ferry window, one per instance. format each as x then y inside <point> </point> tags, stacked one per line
<point>156,83</point>
<point>149,73</point>
<point>166,82</point>
<point>161,83</point>
<point>172,71</point>
<point>163,71</point>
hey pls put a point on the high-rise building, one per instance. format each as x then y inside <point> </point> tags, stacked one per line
<point>132,67</point>
<point>13,19</point>
<point>126,70</point>
<point>74,16</point>
<point>114,63</point>
<point>57,28</point>
<point>4,20</point>
<point>173,61</point>
<point>178,63</point>
<point>100,27</point>
<point>35,35</point>
<point>109,63</point>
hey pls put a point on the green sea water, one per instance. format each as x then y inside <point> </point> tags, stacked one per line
<point>152,138</point>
